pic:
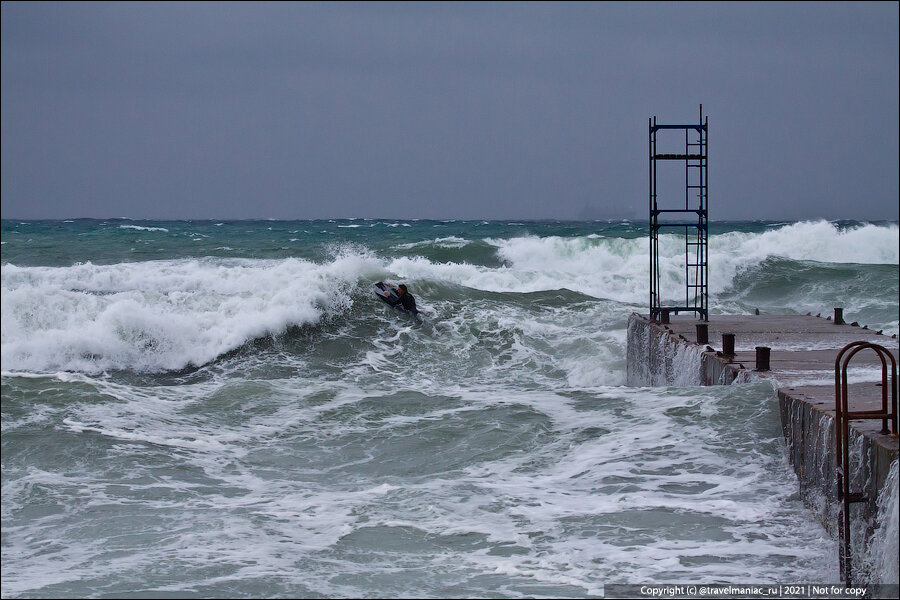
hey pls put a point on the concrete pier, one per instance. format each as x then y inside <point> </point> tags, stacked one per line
<point>801,360</point>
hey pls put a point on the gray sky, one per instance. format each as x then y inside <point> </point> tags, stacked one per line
<point>481,111</point>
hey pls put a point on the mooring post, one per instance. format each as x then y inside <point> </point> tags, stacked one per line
<point>762,358</point>
<point>838,316</point>
<point>728,344</point>
<point>664,316</point>
<point>702,333</point>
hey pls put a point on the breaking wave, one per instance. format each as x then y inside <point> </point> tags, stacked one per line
<point>172,314</point>
<point>162,315</point>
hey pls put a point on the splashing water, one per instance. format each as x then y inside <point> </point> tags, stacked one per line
<point>226,409</point>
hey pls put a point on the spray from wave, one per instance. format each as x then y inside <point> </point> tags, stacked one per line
<point>162,315</point>
<point>168,315</point>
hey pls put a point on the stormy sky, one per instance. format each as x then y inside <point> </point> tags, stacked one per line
<point>432,110</point>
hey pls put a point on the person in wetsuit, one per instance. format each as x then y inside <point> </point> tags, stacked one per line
<point>407,300</point>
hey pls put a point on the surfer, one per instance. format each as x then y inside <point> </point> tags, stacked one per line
<point>399,298</point>
<point>407,300</point>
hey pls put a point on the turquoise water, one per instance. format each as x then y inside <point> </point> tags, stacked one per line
<point>196,409</point>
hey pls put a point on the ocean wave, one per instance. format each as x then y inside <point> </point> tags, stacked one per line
<point>140,228</point>
<point>444,242</point>
<point>169,315</point>
<point>618,268</point>
<point>817,241</point>
<point>163,315</point>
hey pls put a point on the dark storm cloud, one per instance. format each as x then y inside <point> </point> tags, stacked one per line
<point>442,110</point>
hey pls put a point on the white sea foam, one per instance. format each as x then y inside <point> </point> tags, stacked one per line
<point>618,269</point>
<point>162,315</point>
<point>538,487</point>
<point>141,228</point>
<point>497,457</point>
<point>165,315</point>
<point>819,241</point>
<point>883,550</point>
<point>451,241</point>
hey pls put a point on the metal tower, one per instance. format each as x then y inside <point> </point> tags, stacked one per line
<point>690,220</point>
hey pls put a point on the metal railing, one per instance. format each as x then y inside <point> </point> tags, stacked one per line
<point>843,416</point>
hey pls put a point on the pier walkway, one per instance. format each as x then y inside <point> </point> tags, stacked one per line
<point>801,365</point>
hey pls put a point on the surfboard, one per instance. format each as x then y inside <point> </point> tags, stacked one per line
<point>388,293</point>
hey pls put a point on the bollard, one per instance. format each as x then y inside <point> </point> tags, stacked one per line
<point>728,344</point>
<point>838,316</point>
<point>664,316</point>
<point>762,358</point>
<point>702,333</point>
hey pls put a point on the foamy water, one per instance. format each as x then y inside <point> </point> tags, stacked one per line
<point>217,409</point>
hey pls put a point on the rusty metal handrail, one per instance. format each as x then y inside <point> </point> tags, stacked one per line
<point>843,416</point>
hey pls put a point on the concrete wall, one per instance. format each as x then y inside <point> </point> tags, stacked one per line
<point>657,355</point>
<point>809,434</point>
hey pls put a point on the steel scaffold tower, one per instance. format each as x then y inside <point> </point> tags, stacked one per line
<point>692,220</point>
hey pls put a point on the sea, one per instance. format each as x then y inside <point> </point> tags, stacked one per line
<point>196,409</point>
